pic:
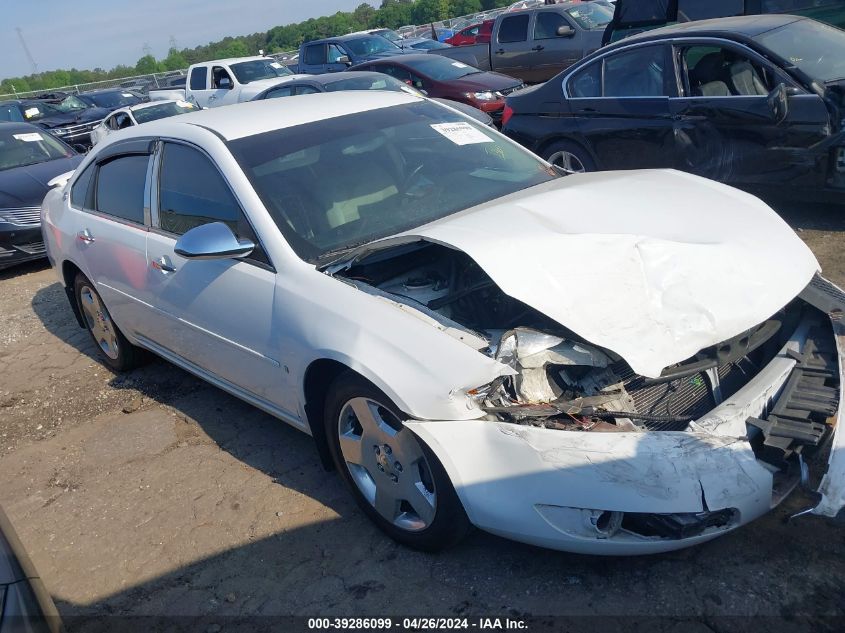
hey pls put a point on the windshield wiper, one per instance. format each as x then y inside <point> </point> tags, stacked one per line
<point>336,254</point>
<point>833,81</point>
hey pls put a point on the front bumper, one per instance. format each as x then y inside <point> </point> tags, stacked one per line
<point>571,490</point>
<point>20,243</point>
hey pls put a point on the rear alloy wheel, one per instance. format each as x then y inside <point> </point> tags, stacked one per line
<point>394,477</point>
<point>117,352</point>
<point>569,157</point>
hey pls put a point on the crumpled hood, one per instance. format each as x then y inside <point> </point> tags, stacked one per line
<point>653,265</point>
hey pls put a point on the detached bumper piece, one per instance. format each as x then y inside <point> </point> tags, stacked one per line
<point>809,398</point>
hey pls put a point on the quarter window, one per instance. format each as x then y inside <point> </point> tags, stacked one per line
<point>82,194</point>
<point>514,29</point>
<point>120,187</point>
<point>199,79</point>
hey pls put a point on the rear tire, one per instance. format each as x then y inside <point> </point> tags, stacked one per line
<point>394,477</point>
<point>570,157</point>
<point>115,350</point>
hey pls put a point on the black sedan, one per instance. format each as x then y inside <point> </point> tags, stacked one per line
<point>754,101</point>
<point>357,80</point>
<point>30,158</point>
<point>25,604</point>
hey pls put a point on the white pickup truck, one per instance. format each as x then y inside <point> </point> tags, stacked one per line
<point>225,81</point>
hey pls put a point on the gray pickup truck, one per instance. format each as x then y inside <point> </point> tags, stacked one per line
<point>536,44</point>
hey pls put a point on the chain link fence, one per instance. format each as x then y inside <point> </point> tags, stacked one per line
<point>145,83</point>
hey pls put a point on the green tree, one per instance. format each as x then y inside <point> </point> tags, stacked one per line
<point>146,65</point>
<point>175,60</point>
<point>464,7</point>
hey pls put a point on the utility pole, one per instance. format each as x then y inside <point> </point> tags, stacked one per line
<point>26,50</point>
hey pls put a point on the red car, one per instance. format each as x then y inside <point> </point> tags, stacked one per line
<point>446,78</point>
<point>475,34</point>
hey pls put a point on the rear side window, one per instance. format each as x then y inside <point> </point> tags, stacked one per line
<point>199,78</point>
<point>315,54</point>
<point>82,193</point>
<point>275,93</point>
<point>637,73</point>
<point>192,193</point>
<point>306,90</point>
<point>586,83</point>
<point>514,29</point>
<point>120,187</point>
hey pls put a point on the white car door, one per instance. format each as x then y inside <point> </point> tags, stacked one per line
<point>109,205</point>
<point>218,312</point>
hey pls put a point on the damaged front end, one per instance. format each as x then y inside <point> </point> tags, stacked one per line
<point>647,463</point>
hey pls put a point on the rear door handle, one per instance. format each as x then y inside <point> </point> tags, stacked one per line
<point>538,48</point>
<point>163,265</point>
<point>85,236</point>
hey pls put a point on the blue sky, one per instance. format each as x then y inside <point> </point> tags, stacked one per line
<point>104,33</point>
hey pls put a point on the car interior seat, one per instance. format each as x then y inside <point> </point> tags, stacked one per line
<point>743,77</point>
<point>706,78</point>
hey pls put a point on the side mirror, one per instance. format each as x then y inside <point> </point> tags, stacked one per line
<point>778,100</point>
<point>344,59</point>
<point>212,241</point>
<point>224,83</point>
<point>565,31</point>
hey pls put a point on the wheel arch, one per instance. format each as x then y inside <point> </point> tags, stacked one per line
<point>548,142</point>
<point>69,273</point>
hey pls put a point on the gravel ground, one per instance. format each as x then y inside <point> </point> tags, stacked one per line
<point>152,494</point>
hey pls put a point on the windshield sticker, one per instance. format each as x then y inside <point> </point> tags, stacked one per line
<point>30,137</point>
<point>275,64</point>
<point>459,65</point>
<point>127,94</point>
<point>461,133</point>
<point>184,104</point>
<point>30,112</point>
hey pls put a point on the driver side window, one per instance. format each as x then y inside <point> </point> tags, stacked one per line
<point>716,71</point>
<point>220,78</point>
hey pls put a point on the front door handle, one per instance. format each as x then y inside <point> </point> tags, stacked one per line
<point>501,51</point>
<point>85,236</point>
<point>163,265</point>
<point>538,48</point>
<point>212,97</point>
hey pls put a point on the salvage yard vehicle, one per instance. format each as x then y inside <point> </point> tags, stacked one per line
<point>426,313</point>
<point>26,603</point>
<point>356,80</point>
<point>141,113</point>
<point>72,125</point>
<point>336,54</point>
<point>445,79</point>
<point>536,44</point>
<point>760,104</point>
<point>225,81</point>
<point>31,160</point>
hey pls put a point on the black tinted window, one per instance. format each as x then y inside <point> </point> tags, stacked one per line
<point>192,192</point>
<point>636,73</point>
<point>198,78</point>
<point>315,55</point>
<point>514,29</point>
<point>82,194</point>
<point>586,83</point>
<point>547,24</point>
<point>120,187</point>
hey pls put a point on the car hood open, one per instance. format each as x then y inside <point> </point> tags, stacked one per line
<point>653,265</point>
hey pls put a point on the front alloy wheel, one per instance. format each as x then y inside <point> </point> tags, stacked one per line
<point>393,476</point>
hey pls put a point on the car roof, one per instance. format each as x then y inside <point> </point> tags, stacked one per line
<point>256,117</point>
<point>404,59</point>
<point>18,125</point>
<point>234,60</point>
<point>744,26</point>
<point>330,78</point>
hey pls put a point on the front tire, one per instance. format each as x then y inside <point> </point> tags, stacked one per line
<point>394,477</point>
<point>116,352</point>
<point>570,157</point>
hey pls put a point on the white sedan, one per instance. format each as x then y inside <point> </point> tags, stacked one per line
<point>142,113</point>
<point>611,363</point>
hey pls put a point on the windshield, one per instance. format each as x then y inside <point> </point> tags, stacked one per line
<point>815,48</point>
<point>72,104</point>
<point>393,36</point>
<point>345,181</point>
<point>380,82</point>
<point>35,110</point>
<point>258,69</point>
<point>162,110</point>
<point>440,68</point>
<point>113,100</point>
<point>371,45</point>
<point>591,16</point>
<point>21,147</point>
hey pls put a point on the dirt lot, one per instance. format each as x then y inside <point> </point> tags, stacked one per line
<point>153,493</point>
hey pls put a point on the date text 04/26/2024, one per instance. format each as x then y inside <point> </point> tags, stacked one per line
<point>417,624</point>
